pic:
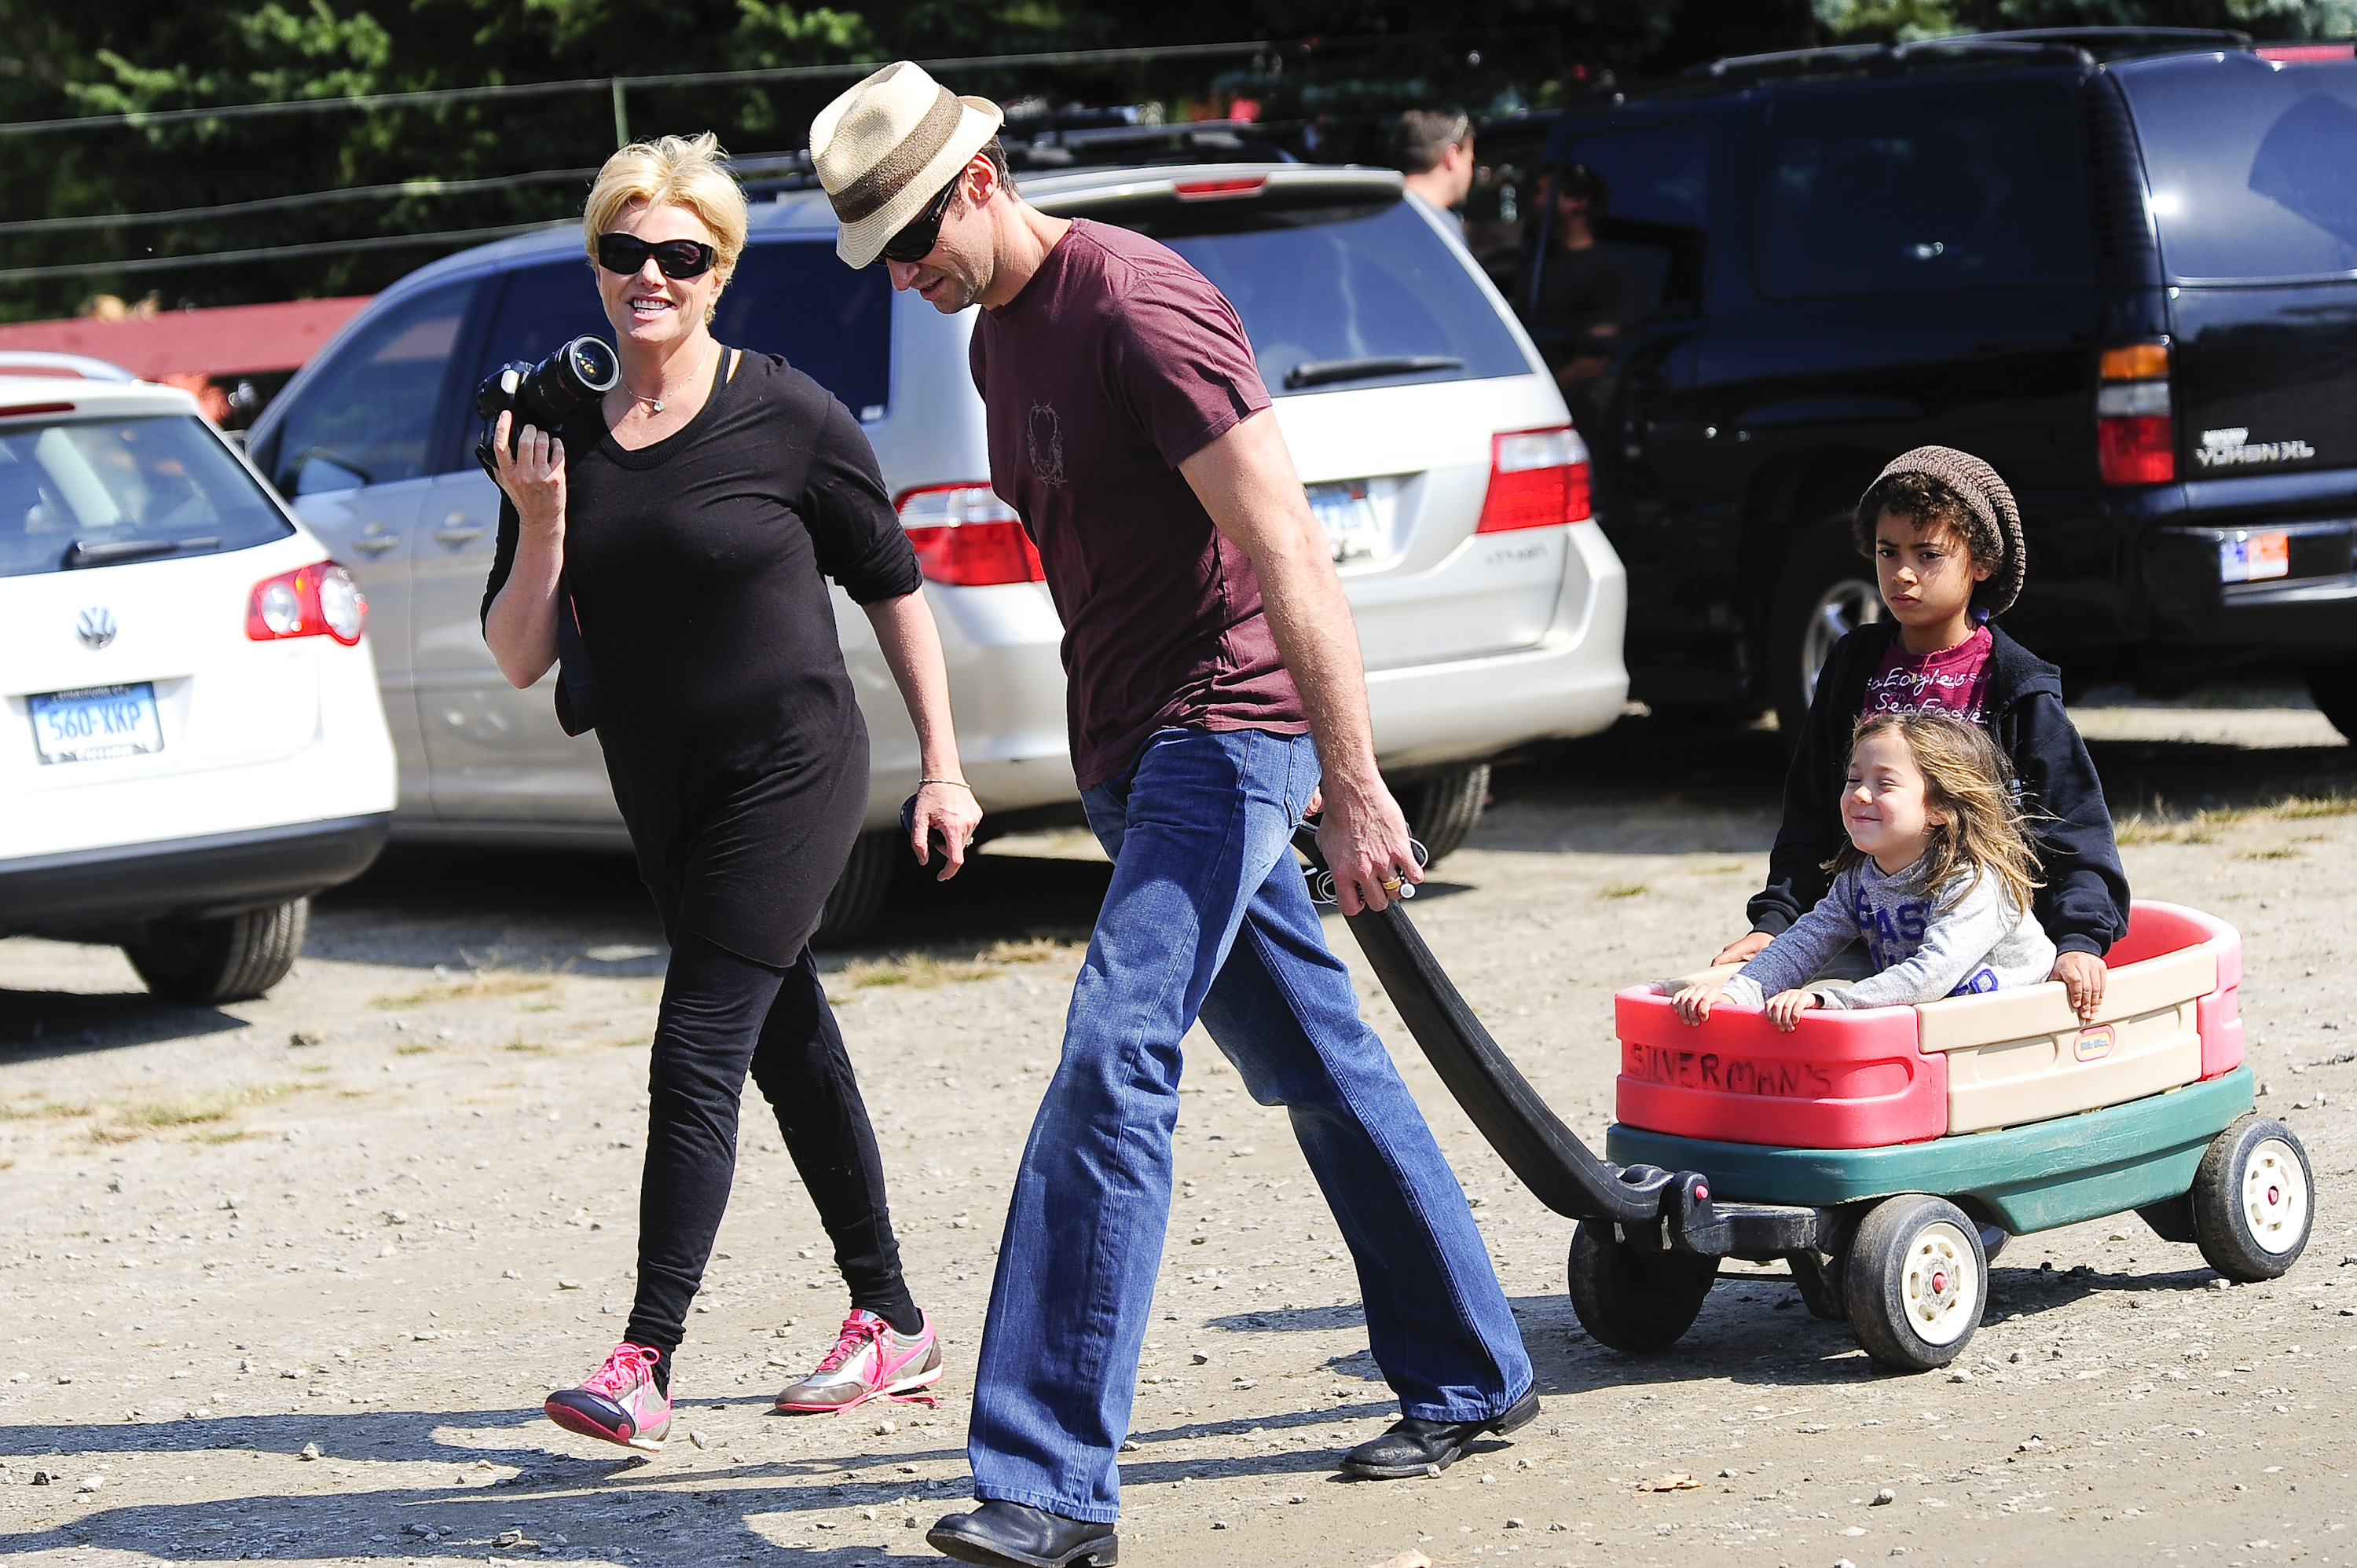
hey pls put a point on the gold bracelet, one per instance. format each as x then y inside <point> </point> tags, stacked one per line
<point>959,782</point>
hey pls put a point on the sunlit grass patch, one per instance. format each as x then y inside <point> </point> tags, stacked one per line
<point>42,1110</point>
<point>127,1120</point>
<point>220,1135</point>
<point>474,987</point>
<point>414,1048</point>
<point>1626,891</point>
<point>2161,826</point>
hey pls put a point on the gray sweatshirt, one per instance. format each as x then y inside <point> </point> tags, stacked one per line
<point>1921,953</point>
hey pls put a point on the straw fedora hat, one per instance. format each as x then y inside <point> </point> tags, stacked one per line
<point>885,149</point>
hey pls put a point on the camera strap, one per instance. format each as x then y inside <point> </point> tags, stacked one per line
<point>576,681</point>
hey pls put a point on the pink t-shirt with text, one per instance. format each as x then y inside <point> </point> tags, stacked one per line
<point>1948,681</point>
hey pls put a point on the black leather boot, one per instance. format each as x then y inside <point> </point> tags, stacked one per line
<point>1013,1535</point>
<point>1417,1447</point>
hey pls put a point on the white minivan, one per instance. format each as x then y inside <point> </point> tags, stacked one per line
<point>192,743</point>
<point>1435,446</point>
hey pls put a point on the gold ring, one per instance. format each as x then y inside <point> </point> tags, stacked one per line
<point>1392,883</point>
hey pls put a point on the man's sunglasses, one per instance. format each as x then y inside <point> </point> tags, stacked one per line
<point>915,242</point>
<point>627,254</point>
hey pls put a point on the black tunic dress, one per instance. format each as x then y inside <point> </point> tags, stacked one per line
<point>698,568</point>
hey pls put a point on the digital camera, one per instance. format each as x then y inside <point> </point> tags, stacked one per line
<point>547,395</point>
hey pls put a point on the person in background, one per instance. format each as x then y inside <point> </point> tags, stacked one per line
<point>1578,295</point>
<point>1435,152</point>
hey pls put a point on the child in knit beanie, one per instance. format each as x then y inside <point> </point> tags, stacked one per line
<point>1946,537</point>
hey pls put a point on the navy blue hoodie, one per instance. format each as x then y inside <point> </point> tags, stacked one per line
<point>2083,905</point>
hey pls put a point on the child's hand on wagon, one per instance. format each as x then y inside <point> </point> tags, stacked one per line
<point>2083,974</point>
<point>1786,1006</point>
<point>1695,1003</point>
<point>1743,948</point>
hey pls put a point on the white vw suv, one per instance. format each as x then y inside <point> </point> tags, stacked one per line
<point>192,742</point>
<point>1435,446</point>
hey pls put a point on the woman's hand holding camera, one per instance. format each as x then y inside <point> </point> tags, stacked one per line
<point>532,472</point>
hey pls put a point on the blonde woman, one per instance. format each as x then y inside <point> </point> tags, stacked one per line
<point>1936,880</point>
<point>692,520</point>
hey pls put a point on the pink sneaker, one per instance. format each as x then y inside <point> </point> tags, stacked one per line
<point>870,1360</point>
<point>619,1402</point>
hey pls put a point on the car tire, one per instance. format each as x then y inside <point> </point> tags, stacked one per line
<point>858,897</point>
<point>1827,590</point>
<point>2253,1200</point>
<point>1916,1282</point>
<point>2333,689</point>
<point>1632,1300</point>
<point>1442,808</point>
<point>229,958</point>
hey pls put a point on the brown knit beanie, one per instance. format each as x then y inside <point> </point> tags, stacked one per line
<point>1978,486</point>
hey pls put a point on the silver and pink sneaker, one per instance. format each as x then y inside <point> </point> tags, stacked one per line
<point>870,1360</point>
<point>619,1402</point>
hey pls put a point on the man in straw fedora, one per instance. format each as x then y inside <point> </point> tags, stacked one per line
<point>1215,693</point>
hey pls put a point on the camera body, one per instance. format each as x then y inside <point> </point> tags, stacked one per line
<point>547,395</point>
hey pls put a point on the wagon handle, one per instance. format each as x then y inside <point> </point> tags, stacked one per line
<point>1545,1155</point>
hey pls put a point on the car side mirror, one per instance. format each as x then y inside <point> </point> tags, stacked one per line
<point>318,470</point>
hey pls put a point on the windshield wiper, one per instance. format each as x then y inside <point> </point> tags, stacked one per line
<point>107,552</point>
<point>1323,372</point>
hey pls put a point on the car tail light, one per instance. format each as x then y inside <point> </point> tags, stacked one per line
<point>1538,478</point>
<point>967,537</point>
<point>17,410</point>
<point>2135,424</point>
<point>2283,54</point>
<point>310,601</point>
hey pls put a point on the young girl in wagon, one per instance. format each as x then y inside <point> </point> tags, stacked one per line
<point>1937,880</point>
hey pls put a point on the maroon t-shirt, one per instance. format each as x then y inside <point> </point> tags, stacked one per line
<point>1946,681</point>
<point>1117,362</point>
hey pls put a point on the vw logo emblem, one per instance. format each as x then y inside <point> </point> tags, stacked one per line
<point>95,627</point>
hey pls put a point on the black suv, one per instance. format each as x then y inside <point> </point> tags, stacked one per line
<point>2119,264</point>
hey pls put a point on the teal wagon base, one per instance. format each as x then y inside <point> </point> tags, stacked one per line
<point>2021,1179</point>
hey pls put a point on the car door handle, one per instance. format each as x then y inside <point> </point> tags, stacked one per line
<point>458,535</point>
<point>375,543</point>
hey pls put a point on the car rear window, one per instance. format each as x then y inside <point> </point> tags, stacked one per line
<point>794,298</point>
<point>94,493</point>
<point>2251,165</point>
<point>1330,285</point>
<point>1916,187</point>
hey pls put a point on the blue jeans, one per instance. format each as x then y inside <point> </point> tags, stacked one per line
<point>1208,915</point>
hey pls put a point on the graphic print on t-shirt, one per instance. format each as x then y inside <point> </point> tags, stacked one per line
<point>1044,435</point>
<point>1946,681</point>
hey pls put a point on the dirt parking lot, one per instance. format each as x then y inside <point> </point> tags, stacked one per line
<point>287,1281</point>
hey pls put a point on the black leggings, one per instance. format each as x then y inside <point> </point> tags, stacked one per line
<point>722,1014</point>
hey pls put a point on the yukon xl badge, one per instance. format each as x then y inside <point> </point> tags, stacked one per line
<point>95,627</point>
<point>2228,448</point>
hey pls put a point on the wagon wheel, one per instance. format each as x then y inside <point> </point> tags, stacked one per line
<point>2253,1200</point>
<point>1916,1282</point>
<point>1630,1299</point>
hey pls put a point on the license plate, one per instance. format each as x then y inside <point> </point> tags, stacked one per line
<point>97,722</point>
<point>1347,513</point>
<point>2255,557</point>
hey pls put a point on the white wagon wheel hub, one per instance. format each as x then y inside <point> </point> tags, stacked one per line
<point>2275,1196</point>
<point>1940,1285</point>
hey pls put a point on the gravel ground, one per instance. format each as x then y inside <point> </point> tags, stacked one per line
<point>288,1280</point>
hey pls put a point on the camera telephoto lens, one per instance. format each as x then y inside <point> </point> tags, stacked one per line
<point>547,395</point>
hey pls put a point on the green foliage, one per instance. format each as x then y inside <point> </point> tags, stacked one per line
<point>110,57</point>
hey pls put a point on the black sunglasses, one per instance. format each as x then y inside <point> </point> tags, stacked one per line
<point>627,254</point>
<point>915,242</point>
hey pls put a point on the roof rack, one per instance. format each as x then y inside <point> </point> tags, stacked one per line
<point>2087,45</point>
